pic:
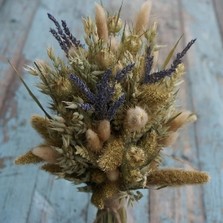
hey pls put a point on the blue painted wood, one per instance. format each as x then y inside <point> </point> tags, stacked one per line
<point>177,204</point>
<point>205,76</point>
<point>30,195</point>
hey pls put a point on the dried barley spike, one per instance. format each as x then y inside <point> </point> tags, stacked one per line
<point>176,177</point>
<point>104,192</point>
<point>28,158</point>
<point>51,168</point>
<point>111,159</point>
<point>101,22</point>
<point>40,124</point>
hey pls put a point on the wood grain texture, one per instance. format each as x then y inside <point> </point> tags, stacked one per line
<point>1,2</point>
<point>218,6</point>
<point>205,72</point>
<point>29,195</point>
<point>178,204</point>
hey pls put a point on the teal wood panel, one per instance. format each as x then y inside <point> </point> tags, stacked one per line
<point>205,78</point>
<point>183,204</point>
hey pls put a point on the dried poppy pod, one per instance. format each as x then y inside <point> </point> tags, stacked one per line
<point>136,119</point>
<point>133,43</point>
<point>114,24</point>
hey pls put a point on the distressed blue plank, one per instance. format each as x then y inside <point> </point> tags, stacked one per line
<point>176,204</point>
<point>205,78</point>
<point>12,38</point>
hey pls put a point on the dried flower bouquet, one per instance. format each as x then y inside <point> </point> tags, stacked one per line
<point>113,111</point>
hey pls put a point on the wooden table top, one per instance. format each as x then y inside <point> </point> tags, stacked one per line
<point>28,195</point>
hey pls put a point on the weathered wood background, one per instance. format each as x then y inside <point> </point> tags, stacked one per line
<point>32,196</point>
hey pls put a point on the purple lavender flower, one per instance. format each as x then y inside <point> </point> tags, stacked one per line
<point>116,105</point>
<point>66,40</point>
<point>100,101</point>
<point>86,106</point>
<point>148,64</point>
<point>83,87</point>
<point>122,73</point>
<point>157,76</point>
<point>60,41</point>
<point>70,36</point>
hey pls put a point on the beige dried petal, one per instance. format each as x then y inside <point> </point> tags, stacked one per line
<point>142,18</point>
<point>114,44</point>
<point>46,153</point>
<point>182,119</point>
<point>113,175</point>
<point>104,130</point>
<point>155,60</point>
<point>170,140</point>
<point>93,141</point>
<point>101,22</point>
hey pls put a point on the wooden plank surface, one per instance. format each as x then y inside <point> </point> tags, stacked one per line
<point>218,5</point>
<point>176,204</point>
<point>32,196</point>
<point>205,77</point>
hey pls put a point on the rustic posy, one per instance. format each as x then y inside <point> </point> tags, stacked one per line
<point>112,111</point>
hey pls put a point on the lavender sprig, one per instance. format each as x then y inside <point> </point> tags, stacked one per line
<point>116,105</point>
<point>103,95</point>
<point>157,76</point>
<point>66,40</point>
<point>101,100</point>
<point>148,64</point>
<point>60,31</point>
<point>70,36</point>
<point>60,41</point>
<point>83,87</point>
<point>122,73</point>
<point>86,106</point>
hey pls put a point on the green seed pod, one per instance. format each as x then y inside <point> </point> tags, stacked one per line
<point>114,24</point>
